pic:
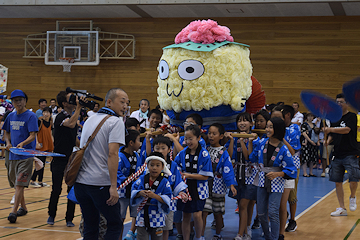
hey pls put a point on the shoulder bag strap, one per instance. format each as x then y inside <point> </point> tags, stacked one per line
<point>96,131</point>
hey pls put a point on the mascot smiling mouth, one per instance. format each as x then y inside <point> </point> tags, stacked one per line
<point>172,92</point>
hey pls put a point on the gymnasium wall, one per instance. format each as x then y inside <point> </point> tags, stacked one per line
<point>288,55</point>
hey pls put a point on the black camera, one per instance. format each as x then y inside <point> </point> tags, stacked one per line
<point>88,104</point>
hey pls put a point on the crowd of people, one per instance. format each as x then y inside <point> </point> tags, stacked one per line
<point>180,176</point>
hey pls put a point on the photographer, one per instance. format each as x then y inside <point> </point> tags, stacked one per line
<point>65,131</point>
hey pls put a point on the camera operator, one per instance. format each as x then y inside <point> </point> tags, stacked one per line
<point>65,132</point>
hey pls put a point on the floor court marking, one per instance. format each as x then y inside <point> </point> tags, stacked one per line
<point>35,228</point>
<point>25,189</point>
<point>39,209</point>
<point>47,230</point>
<point>316,203</point>
<point>32,203</point>
<point>352,229</point>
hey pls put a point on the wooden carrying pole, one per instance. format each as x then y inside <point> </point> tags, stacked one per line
<point>239,135</point>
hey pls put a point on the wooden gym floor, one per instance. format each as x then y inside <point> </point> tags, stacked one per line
<point>317,199</point>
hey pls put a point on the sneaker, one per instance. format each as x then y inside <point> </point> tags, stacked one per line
<point>292,226</point>
<point>256,224</point>
<point>323,174</point>
<point>281,237</point>
<point>246,237</point>
<point>70,224</point>
<point>339,212</point>
<point>12,200</point>
<point>353,204</point>
<point>50,221</point>
<point>237,210</point>
<point>238,237</point>
<point>217,237</point>
<point>249,231</point>
<point>34,184</point>
<point>130,235</point>
<point>12,217</point>
<point>21,212</point>
<point>44,185</point>
<point>179,237</point>
<point>213,224</point>
<point>202,238</point>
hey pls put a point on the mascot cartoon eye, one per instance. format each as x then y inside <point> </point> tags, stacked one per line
<point>163,70</point>
<point>190,69</point>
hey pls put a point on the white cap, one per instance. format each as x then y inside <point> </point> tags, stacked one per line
<point>165,169</point>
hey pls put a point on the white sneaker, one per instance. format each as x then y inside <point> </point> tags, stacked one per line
<point>339,212</point>
<point>249,231</point>
<point>202,238</point>
<point>238,237</point>
<point>246,237</point>
<point>34,184</point>
<point>12,200</point>
<point>352,205</point>
<point>44,185</point>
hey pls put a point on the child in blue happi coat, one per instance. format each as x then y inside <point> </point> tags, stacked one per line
<point>292,141</point>
<point>195,164</point>
<point>245,172</point>
<point>152,192</point>
<point>129,163</point>
<point>223,178</point>
<point>276,165</point>
<point>163,145</point>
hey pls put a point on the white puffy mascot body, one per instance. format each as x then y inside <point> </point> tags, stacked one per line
<point>206,72</point>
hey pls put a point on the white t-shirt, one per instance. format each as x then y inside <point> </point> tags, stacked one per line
<point>298,117</point>
<point>94,167</point>
<point>90,113</point>
<point>136,114</point>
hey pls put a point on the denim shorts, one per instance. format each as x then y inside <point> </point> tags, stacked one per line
<point>339,165</point>
<point>248,191</point>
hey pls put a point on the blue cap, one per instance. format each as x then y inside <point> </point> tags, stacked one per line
<point>17,93</point>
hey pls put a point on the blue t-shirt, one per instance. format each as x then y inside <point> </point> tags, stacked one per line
<point>20,126</point>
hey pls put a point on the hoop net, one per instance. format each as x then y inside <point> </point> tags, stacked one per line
<point>67,63</point>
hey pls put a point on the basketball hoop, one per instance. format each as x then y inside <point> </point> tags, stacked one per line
<point>67,63</point>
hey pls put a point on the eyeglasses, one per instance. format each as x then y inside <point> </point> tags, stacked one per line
<point>189,123</point>
<point>340,102</point>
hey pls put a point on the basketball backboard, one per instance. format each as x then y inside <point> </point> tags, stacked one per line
<point>82,46</point>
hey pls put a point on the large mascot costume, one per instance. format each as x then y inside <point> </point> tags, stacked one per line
<point>206,72</point>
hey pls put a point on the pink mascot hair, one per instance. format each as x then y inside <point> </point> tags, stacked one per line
<point>205,31</point>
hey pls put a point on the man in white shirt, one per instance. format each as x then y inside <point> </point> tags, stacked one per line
<point>141,114</point>
<point>96,183</point>
<point>298,117</point>
<point>95,110</point>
